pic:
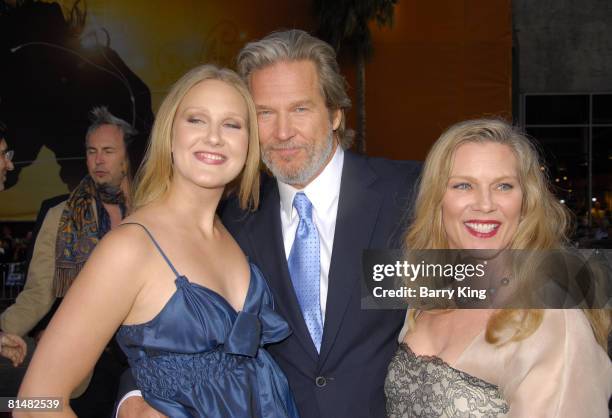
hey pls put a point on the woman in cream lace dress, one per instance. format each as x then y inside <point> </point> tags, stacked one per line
<point>482,188</point>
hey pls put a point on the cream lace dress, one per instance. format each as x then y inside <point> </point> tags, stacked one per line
<point>559,371</point>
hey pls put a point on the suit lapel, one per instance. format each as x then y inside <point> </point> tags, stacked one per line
<point>266,239</point>
<point>358,208</point>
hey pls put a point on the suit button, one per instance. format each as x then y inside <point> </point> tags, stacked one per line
<point>320,381</point>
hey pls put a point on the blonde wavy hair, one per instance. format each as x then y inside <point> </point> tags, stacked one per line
<point>155,174</point>
<point>544,221</point>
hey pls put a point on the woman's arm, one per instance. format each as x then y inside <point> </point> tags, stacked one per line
<point>98,302</point>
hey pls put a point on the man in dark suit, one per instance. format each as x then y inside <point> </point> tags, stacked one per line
<point>323,207</point>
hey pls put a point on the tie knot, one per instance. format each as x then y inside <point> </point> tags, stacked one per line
<point>302,205</point>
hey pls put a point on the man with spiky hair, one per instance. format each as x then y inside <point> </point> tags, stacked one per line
<point>69,232</point>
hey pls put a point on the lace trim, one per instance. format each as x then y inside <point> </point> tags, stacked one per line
<point>427,386</point>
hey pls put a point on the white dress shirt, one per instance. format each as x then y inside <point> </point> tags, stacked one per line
<point>323,192</point>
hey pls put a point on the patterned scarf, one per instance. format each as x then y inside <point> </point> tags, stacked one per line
<point>82,225</point>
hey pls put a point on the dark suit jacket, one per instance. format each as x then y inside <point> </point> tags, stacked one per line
<point>346,379</point>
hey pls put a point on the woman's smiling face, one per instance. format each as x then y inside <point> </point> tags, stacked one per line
<point>481,208</point>
<point>210,135</point>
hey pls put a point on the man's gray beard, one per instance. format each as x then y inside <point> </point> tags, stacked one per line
<point>304,176</point>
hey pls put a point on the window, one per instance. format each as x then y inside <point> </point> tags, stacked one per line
<point>574,132</point>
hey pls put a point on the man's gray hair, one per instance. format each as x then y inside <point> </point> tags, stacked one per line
<point>297,45</point>
<point>102,116</point>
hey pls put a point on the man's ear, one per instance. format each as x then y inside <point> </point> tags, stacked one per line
<point>336,118</point>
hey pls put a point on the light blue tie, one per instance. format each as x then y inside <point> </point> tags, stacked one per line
<point>305,268</point>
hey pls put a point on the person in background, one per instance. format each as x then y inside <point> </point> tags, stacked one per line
<point>11,373</point>
<point>12,346</point>
<point>6,157</point>
<point>69,232</point>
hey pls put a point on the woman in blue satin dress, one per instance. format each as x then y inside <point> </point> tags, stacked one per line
<point>193,314</point>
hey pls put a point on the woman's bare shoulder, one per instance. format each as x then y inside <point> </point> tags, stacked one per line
<point>127,238</point>
<point>126,246</point>
<point>137,224</point>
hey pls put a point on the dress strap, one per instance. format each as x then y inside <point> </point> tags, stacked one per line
<point>176,273</point>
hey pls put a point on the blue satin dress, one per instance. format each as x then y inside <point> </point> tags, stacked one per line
<point>200,358</point>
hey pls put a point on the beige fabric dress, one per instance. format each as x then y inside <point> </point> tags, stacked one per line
<point>559,371</point>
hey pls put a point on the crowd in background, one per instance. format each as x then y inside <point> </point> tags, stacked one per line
<point>14,245</point>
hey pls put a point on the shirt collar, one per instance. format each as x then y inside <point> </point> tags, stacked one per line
<point>322,192</point>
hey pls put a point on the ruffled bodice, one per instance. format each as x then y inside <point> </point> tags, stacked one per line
<point>200,358</point>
